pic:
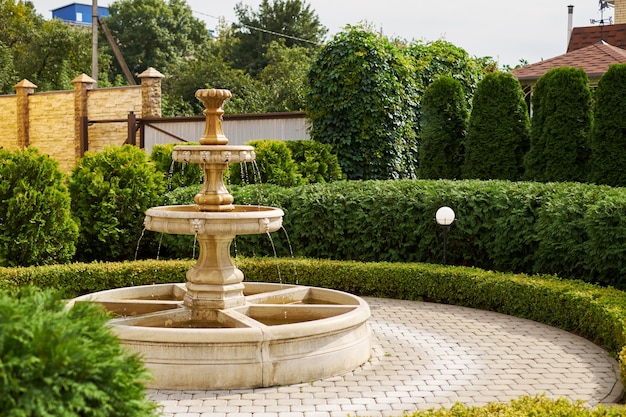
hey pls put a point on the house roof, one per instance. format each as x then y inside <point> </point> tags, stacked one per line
<point>584,36</point>
<point>594,59</point>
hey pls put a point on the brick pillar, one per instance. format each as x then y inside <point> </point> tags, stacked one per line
<point>620,11</point>
<point>22,90</point>
<point>151,93</point>
<point>82,84</point>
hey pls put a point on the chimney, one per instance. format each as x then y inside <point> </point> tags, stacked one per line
<point>570,22</point>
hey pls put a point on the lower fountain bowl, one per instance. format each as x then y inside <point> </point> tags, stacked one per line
<point>284,334</point>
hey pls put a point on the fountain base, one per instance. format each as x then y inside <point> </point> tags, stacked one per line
<point>282,334</point>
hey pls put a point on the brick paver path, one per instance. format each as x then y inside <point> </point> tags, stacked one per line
<point>428,355</point>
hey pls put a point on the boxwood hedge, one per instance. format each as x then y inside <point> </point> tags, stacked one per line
<point>593,312</point>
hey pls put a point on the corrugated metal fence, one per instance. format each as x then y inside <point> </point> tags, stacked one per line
<point>238,128</point>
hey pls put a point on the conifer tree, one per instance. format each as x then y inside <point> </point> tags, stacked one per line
<point>560,127</point>
<point>608,138</point>
<point>498,131</point>
<point>443,126</point>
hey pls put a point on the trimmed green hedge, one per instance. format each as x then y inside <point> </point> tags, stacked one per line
<point>593,312</point>
<point>524,407</point>
<point>568,229</point>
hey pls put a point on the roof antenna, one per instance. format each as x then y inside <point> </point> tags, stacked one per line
<point>603,6</point>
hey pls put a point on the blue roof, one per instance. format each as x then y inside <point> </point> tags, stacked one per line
<point>78,13</point>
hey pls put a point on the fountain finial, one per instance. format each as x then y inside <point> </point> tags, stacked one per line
<point>213,100</point>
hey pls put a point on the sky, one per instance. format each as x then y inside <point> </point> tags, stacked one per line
<point>505,30</point>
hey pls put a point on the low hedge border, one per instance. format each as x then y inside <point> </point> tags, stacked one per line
<point>595,313</point>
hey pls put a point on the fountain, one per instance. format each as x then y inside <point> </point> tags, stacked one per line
<point>215,331</point>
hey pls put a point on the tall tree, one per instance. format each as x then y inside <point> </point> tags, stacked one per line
<point>443,126</point>
<point>608,138</point>
<point>432,59</point>
<point>209,70</point>
<point>285,75</point>
<point>47,52</point>
<point>560,127</point>
<point>294,21</point>
<point>360,99</point>
<point>498,131</point>
<point>153,33</point>
<point>55,55</point>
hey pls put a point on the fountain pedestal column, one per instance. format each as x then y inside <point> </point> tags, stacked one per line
<point>213,283</point>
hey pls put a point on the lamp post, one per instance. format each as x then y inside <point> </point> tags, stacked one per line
<point>445,217</point>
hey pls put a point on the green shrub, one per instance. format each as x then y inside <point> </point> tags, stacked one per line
<point>36,227</point>
<point>315,161</point>
<point>560,126</point>
<point>176,174</point>
<point>608,138</point>
<point>498,131</point>
<point>59,362</point>
<point>110,192</point>
<point>273,164</point>
<point>442,125</point>
<point>523,407</point>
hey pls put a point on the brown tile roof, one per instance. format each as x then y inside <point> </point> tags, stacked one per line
<point>584,36</point>
<point>594,59</point>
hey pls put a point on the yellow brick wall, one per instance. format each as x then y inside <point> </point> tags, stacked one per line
<point>50,121</point>
<point>8,122</point>
<point>51,126</point>
<point>111,103</point>
<point>620,11</point>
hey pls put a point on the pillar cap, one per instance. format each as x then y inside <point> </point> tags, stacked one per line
<point>151,73</point>
<point>83,78</point>
<point>24,84</point>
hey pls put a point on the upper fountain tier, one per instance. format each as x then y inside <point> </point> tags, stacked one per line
<point>214,212</point>
<point>213,154</point>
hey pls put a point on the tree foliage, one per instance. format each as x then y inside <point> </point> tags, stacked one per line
<point>285,76</point>
<point>56,361</point>
<point>36,227</point>
<point>110,192</point>
<point>361,100</point>
<point>433,59</point>
<point>498,130</point>
<point>209,70</point>
<point>608,138</point>
<point>155,33</point>
<point>443,127</point>
<point>560,127</point>
<point>48,53</point>
<point>292,21</point>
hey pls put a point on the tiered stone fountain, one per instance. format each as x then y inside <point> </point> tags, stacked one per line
<point>215,331</point>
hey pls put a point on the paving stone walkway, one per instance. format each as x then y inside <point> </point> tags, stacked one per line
<point>428,355</point>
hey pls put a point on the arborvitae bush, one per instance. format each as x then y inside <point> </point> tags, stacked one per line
<point>315,161</point>
<point>36,227</point>
<point>443,126</point>
<point>498,132</point>
<point>176,174</point>
<point>65,362</point>
<point>608,139</point>
<point>110,192</point>
<point>274,163</point>
<point>560,127</point>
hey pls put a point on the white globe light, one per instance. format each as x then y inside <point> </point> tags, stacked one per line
<point>445,216</point>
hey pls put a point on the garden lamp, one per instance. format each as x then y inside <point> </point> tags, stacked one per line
<point>444,218</point>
